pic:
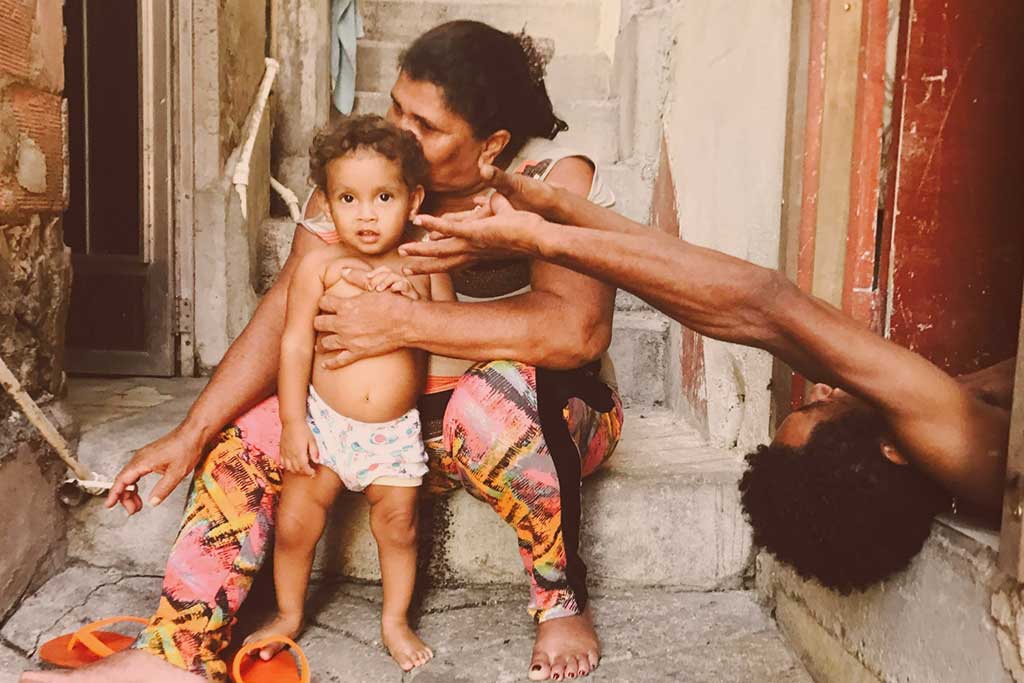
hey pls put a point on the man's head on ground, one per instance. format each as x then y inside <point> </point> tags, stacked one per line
<point>372,174</point>
<point>833,498</point>
<point>472,95</point>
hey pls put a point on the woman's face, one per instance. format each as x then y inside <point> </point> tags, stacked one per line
<point>453,152</point>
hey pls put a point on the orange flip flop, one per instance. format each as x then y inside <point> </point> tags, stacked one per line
<point>87,644</point>
<point>280,669</point>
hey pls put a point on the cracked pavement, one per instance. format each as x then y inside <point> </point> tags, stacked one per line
<point>477,633</point>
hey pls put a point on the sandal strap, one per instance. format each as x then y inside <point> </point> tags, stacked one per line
<point>87,638</point>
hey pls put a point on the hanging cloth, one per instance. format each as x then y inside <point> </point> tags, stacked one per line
<point>346,29</point>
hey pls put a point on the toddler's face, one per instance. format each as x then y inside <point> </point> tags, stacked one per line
<point>370,203</point>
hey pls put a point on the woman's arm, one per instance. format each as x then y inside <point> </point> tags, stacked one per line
<point>246,375</point>
<point>564,322</point>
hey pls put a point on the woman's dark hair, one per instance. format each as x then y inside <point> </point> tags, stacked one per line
<point>837,510</point>
<point>371,132</point>
<point>492,79</point>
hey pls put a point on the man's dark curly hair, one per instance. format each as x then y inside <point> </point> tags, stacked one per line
<point>837,510</point>
<point>370,132</point>
<point>492,79</point>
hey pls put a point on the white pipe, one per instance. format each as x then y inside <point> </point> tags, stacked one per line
<point>240,177</point>
<point>39,420</point>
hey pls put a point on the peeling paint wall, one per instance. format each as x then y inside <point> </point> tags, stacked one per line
<point>35,282</point>
<point>229,46</point>
<point>725,130</point>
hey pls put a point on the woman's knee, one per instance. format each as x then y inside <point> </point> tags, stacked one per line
<point>479,409</point>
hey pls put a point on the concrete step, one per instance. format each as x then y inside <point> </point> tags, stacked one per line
<point>951,616</point>
<point>665,511</point>
<point>640,343</point>
<point>477,633</point>
<point>572,76</point>
<point>593,124</point>
<point>404,20</point>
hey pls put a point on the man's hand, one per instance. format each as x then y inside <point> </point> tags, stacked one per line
<point>524,193</point>
<point>494,229</point>
<point>360,327</point>
<point>174,456</point>
<point>298,449</point>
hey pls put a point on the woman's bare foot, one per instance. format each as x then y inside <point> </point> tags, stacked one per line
<point>287,625</point>
<point>405,646</point>
<point>565,648</point>
<point>129,666</point>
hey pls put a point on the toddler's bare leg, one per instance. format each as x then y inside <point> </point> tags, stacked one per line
<point>301,518</point>
<point>393,515</point>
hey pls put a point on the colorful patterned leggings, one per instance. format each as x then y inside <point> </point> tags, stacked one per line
<point>516,437</point>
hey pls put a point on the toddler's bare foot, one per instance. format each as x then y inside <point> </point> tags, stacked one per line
<point>405,646</point>
<point>565,648</point>
<point>288,625</point>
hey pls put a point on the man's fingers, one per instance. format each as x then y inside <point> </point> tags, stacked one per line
<point>451,246</point>
<point>165,486</point>
<point>443,226</point>
<point>425,265</point>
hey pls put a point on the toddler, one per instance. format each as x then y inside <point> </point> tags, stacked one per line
<point>356,427</point>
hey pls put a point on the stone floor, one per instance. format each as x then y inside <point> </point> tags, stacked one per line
<point>478,634</point>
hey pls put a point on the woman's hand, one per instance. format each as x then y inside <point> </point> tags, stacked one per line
<point>363,326</point>
<point>493,229</point>
<point>298,449</point>
<point>173,455</point>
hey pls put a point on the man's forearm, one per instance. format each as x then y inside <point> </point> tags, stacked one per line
<point>247,373</point>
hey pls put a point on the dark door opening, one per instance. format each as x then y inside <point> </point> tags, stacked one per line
<point>118,218</point>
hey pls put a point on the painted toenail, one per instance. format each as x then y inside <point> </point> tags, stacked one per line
<point>535,667</point>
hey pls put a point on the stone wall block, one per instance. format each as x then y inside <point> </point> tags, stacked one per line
<point>32,42</point>
<point>33,153</point>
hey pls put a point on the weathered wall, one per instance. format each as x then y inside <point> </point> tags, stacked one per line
<point>229,43</point>
<point>35,280</point>
<point>951,616</point>
<point>725,131</point>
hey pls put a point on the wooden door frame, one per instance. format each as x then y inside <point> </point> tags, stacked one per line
<point>184,183</point>
<point>1011,537</point>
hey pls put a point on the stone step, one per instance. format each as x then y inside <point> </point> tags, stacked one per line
<point>593,124</point>
<point>951,616</point>
<point>476,633</point>
<point>665,511</point>
<point>571,76</point>
<point>404,20</point>
<point>640,341</point>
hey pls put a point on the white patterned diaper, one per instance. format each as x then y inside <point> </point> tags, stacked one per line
<point>364,453</point>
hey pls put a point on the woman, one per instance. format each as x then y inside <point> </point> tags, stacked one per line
<point>517,433</point>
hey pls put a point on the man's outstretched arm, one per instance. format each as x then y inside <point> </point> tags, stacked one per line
<point>950,434</point>
<point>246,375</point>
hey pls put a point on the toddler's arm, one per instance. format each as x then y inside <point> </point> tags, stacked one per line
<point>298,447</point>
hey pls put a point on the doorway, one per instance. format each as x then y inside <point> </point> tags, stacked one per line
<point>119,222</point>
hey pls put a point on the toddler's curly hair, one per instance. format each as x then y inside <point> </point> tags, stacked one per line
<point>369,132</point>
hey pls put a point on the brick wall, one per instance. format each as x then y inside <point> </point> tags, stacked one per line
<point>35,281</point>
